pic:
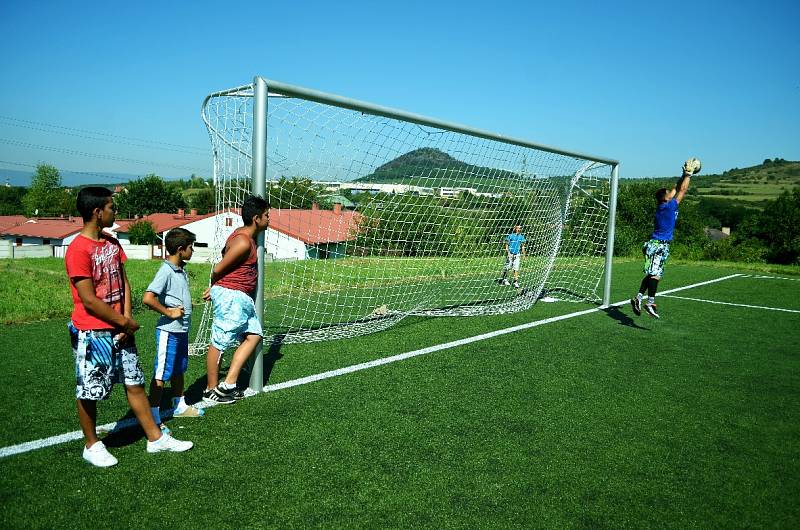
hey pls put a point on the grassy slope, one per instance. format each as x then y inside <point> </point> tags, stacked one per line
<point>602,420</point>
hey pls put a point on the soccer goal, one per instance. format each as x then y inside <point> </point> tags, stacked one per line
<point>379,214</point>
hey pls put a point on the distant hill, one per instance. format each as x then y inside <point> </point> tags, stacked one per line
<point>434,168</point>
<point>753,184</point>
<point>749,186</point>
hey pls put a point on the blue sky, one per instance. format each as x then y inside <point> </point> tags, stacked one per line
<point>646,83</point>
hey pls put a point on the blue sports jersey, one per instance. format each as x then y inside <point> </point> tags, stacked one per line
<point>515,242</point>
<point>664,221</point>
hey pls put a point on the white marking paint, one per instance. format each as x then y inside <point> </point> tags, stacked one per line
<point>116,426</point>
<point>732,304</point>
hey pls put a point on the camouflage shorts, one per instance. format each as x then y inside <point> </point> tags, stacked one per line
<point>656,254</point>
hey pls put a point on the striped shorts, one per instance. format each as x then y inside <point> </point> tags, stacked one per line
<point>172,354</point>
<point>100,362</point>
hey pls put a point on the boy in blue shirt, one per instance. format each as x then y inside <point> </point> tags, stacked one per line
<point>515,247</point>
<point>656,249</point>
<point>169,295</point>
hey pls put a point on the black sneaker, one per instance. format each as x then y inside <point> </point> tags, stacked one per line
<point>636,305</point>
<point>651,310</point>
<point>214,397</point>
<point>233,393</point>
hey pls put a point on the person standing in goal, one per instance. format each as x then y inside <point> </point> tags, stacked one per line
<point>515,247</point>
<point>656,249</point>
<point>233,289</point>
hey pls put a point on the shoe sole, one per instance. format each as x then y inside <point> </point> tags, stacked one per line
<point>149,451</point>
<point>636,310</point>
<point>198,414</point>
<point>112,464</point>
<point>212,403</point>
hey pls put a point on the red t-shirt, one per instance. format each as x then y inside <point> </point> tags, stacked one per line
<point>101,261</point>
<point>244,277</point>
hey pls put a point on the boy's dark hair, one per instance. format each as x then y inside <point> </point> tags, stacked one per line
<point>91,197</point>
<point>252,206</point>
<point>661,195</point>
<point>177,238</point>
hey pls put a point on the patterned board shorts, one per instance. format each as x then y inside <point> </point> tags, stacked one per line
<point>234,317</point>
<point>172,354</point>
<point>512,262</point>
<point>100,362</point>
<point>656,254</point>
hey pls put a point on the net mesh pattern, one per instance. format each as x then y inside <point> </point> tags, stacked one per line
<point>426,231</point>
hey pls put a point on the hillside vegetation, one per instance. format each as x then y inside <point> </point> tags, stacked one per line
<point>748,187</point>
<point>438,169</point>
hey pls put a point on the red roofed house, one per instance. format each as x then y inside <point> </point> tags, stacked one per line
<point>292,234</point>
<point>55,232</point>
<point>7,221</point>
<point>310,234</point>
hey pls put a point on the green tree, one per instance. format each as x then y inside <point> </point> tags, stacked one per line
<point>778,226</point>
<point>635,206</point>
<point>142,233</point>
<point>296,193</point>
<point>11,200</point>
<point>45,197</point>
<point>148,195</point>
<point>204,200</point>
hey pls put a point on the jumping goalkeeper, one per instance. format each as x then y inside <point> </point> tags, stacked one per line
<point>656,250</point>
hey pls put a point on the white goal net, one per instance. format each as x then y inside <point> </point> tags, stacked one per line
<point>376,216</point>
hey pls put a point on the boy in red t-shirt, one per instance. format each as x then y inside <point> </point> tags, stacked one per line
<point>102,328</point>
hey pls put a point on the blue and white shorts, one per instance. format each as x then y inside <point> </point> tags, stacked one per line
<point>656,253</point>
<point>100,362</point>
<point>234,317</point>
<point>172,354</point>
<point>512,262</point>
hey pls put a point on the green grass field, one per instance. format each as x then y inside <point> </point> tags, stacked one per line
<point>601,420</point>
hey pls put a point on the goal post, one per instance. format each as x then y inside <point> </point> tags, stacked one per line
<point>379,214</point>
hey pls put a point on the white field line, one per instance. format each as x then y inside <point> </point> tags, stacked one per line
<point>456,343</point>
<point>764,277</point>
<point>732,304</point>
<point>116,426</point>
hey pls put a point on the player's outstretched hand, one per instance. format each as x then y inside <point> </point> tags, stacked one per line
<point>692,167</point>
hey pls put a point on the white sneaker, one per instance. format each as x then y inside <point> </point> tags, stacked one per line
<point>506,282</point>
<point>98,455</point>
<point>168,443</point>
<point>516,285</point>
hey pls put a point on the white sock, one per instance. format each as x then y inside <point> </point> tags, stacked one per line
<point>156,415</point>
<point>651,300</point>
<point>226,386</point>
<point>639,296</point>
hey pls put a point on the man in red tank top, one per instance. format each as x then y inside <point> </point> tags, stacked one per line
<point>232,293</point>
